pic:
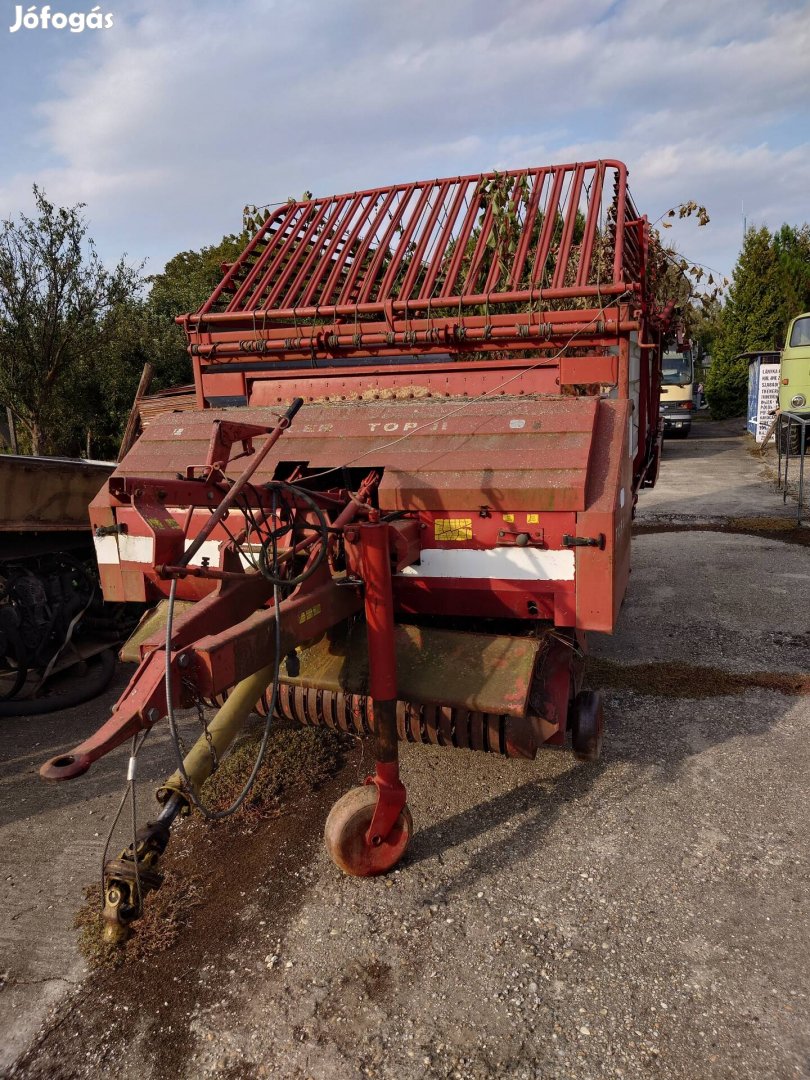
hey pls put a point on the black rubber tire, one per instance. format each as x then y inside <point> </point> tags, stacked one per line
<point>794,439</point>
<point>587,725</point>
<point>19,681</point>
<point>102,668</point>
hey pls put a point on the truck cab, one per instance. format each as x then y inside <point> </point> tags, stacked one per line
<point>794,375</point>
<point>677,392</point>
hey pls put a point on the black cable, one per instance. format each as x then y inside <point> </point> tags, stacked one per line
<point>268,571</point>
<point>206,811</point>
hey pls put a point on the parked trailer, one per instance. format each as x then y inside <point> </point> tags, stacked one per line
<point>423,416</point>
<point>52,615</point>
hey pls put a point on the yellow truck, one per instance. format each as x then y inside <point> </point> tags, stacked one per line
<point>677,392</point>
<point>794,387</point>
<point>794,374</point>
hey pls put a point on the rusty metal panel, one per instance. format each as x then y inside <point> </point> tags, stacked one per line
<point>488,673</point>
<point>585,370</point>
<point>48,494</point>
<point>602,572</point>
<point>412,380</point>
<point>520,453</point>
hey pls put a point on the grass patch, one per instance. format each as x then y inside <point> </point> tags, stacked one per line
<point>166,913</point>
<point>298,760</point>
<point>689,681</point>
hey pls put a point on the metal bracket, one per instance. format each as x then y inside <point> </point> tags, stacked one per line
<point>569,541</point>
<point>521,538</point>
<point>391,799</point>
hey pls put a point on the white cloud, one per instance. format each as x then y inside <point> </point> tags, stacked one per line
<point>192,109</point>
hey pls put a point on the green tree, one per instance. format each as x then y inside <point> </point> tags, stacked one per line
<point>792,247</point>
<point>103,384</point>
<point>753,318</point>
<point>703,325</point>
<point>183,286</point>
<point>59,306</point>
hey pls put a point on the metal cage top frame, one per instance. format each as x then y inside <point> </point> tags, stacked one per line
<point>468,262</point>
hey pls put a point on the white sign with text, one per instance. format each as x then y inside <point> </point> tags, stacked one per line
<point>767,398</point>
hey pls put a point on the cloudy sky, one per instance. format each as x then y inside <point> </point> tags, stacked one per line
<point>168,123</point>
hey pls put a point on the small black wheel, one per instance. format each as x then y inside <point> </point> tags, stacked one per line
<point>587,725</point>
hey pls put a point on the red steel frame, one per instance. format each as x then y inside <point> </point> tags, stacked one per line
<point>430,268</point>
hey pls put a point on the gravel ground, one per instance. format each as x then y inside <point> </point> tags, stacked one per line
<point>646,915</point>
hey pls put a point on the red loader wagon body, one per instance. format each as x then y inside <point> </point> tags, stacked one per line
<point>456,384</point>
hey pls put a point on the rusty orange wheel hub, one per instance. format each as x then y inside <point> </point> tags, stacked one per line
<point>346,835</point>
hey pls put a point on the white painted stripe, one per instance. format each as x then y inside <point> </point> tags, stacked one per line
<point>500,564</point>
<point>212,550</point>
<point>140,549</point>
<point>209,549</point>
<point>106,550</point>
<point>111,550</point>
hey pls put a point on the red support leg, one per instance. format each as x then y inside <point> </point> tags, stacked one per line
<point>379,603</point>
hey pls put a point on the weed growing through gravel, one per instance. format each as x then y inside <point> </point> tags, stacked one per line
<point>166,914</point>
<point>296,757</point>
<point>768,528</point>
<point>689,681</point>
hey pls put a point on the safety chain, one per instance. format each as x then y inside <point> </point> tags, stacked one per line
<point>199,706</point>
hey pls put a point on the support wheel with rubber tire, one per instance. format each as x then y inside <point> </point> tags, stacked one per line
<point>587,725</point>
<point>345,835</point>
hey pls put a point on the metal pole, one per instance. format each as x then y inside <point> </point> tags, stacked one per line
<point>380,629</point>
<point>802,449</point>
<point>134,414</point>
<point>787,457</point>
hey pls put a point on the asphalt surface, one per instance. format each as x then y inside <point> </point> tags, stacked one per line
<point>645,915</point>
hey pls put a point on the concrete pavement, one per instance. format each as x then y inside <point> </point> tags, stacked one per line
<point>648,914</point>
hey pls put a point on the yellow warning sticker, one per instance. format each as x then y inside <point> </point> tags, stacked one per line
<point>310,613</point>
<point>452,529</point>
<point>162,523</point>
<point>532,519</point>
<point>508,517</point>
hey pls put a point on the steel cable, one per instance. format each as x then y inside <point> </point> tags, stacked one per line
<point>197,802</point>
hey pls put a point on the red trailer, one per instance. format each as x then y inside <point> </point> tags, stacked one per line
<point>423,416</point>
